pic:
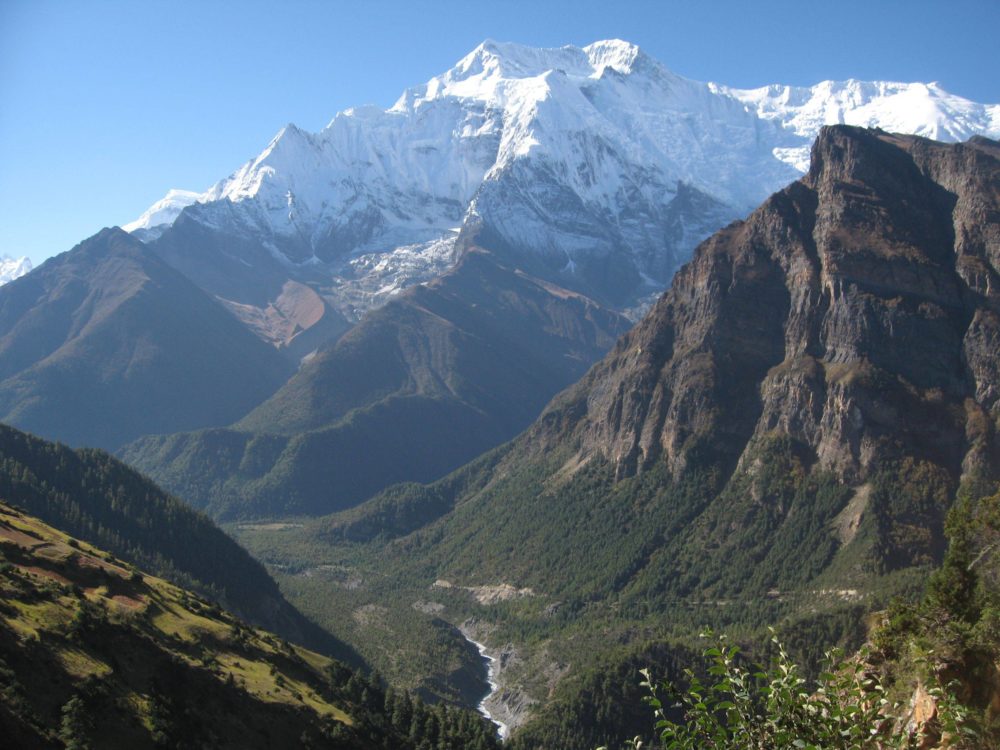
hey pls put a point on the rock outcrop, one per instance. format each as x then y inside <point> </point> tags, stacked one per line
<point>855,311</point>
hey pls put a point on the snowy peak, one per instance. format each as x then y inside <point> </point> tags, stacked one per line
<point>164,211</point>
<point>512,60</point>
<point>488,73</point>
<point>581,159</point>
<point>291,152</point>
<point>13,268</point>
<point>923,109</point>
<point>617,55</point>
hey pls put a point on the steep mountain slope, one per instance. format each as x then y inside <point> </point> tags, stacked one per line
<point>94,653</point>
<point>420,386</point>
<point>877,343</point>
<point>838,416</point>
<point>107,342</point>
<point>783,433</point>
<point>597,166</point>
<point>94,497</point>
<point>290,310</point>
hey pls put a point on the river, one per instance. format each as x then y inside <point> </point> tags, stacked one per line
<point>502,728</point>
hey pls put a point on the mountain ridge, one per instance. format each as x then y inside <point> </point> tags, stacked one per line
<point>425,383</point>
<point>107,342</point>
<point>571,155</point>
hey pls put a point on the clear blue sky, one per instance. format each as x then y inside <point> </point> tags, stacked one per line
<point>106,104</point>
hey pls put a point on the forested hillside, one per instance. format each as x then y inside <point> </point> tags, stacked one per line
<point>95,497</point>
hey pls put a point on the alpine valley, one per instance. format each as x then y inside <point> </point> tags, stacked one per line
<point>554,361</point>
<point>778,441</point>
<point>95,651</point>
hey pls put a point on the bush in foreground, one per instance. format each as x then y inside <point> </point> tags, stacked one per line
<point>736,707</point>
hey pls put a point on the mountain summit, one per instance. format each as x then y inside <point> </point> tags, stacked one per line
<point>597,167</point>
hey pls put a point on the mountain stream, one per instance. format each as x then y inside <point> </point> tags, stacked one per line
<point>502,728</point>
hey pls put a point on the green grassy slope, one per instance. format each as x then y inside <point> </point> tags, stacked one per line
<point>96,497</point>
<point>94,653</point>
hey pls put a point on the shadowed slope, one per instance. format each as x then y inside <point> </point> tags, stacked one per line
<point>422,385</point>
<point>106,342</point>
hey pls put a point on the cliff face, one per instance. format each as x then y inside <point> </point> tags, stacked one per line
<point>856,311</point>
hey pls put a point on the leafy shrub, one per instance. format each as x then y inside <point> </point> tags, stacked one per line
<point>735,707</point>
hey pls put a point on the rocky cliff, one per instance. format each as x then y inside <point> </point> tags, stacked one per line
<point>855,311</point>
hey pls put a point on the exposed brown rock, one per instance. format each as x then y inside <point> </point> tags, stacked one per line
<point>297,321</point>
<point>857,311</point>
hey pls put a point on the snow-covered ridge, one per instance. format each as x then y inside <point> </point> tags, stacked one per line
<point>575,155</point>
<point>533,96</point>
<point>484,74</point>
<point>923,109</point>
<point>13,268</point>
<point>165,210</point>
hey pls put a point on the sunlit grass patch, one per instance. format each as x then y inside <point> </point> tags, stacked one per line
<point>80,664</point>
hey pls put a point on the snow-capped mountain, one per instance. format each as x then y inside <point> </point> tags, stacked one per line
<point>923,109</point>
<point>597,166</point>
<point>13,268</point>
<point>164,211</point>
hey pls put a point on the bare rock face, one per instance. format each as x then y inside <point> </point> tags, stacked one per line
<point>855,311</point>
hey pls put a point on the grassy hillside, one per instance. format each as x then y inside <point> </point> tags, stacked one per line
<point>95,653</point>
<point>97,498</point>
